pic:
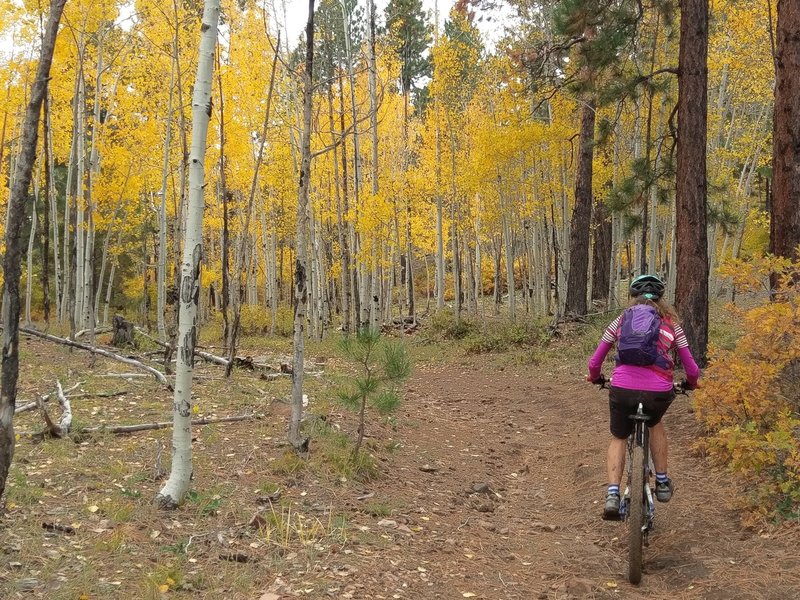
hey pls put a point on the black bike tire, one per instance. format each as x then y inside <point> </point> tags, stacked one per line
<point>636,516</point>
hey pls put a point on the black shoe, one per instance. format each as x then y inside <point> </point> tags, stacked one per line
<point>664,491</point>
<point>611,509</point>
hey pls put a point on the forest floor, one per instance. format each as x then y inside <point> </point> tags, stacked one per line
<point>487,483</point>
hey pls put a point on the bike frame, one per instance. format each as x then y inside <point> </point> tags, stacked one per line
<point>640,438</point>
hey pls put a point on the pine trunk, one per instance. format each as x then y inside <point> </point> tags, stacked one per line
<point>691,235</point>
<point>785,205</point>
<point>581,217</point>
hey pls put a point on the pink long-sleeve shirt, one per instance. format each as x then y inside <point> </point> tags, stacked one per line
<point>650,378</point>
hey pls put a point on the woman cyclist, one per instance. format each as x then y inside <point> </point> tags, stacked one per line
<point>637,381</point>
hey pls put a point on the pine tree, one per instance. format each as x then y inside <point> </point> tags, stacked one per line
<point>405,21</point>
<point>785,207</point>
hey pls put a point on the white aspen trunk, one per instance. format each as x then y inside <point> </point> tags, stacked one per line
<point>252,277</point>
<point>161,273</point>
<point>31,238</point>
<point>69,197</point>
<point>478,257</point>
<point>563,242</point>
<point>106,244</point>
<point>173,492</point>
<point>89,316</point>
<point>375,305</point>
<point>53,207</point>
<point>439,220</point>
<point>544,246</point>
<point>364,304</point>
<point>273,301</point>
<point>313,275</point>
<point>79,216</point>
<point>109,289</point>
<point>265,250</point>
<point>301,290</point>
<point>509,243</point>
<point>672,277</point>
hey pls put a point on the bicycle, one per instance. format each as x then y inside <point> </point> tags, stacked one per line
<point>639,515</point>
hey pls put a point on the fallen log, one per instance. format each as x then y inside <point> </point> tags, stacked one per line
<point>83,332</point>
<point>102,352</point>
<point>164,425</point>
<point>97,394</point>
<point>204,355</point>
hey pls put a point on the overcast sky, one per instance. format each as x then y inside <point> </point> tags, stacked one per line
<point>491,25</point>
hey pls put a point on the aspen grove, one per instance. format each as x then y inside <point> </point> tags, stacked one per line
<point>384,163</point>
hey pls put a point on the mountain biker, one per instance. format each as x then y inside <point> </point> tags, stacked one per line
<point>650,384</point>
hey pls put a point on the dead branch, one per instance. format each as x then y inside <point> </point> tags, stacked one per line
<point>123,359</point>
<point>204,355</point>
<point>164,425</point>
<point>97,394</point>
<point>52,428</point>
<point>31,405</point>
<point>83,332</point>
<point>66,410</point>
<point>46,398</point>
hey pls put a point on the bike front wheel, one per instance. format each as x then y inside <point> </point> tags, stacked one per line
<point>636,515</point>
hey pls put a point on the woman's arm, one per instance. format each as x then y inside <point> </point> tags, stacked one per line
<point>596,361</point>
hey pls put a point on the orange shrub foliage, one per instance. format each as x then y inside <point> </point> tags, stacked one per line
<point>750,400</point>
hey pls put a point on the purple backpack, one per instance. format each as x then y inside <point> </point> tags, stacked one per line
<point>637,340</point>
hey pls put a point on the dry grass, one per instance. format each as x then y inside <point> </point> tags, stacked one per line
<point>98,489</point>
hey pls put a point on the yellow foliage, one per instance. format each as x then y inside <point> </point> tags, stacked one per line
<point>750,401</point>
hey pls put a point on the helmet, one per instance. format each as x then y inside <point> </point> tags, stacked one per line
<point>650,286</point>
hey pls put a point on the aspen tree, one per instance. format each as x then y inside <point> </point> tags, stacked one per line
<point>173,492</point>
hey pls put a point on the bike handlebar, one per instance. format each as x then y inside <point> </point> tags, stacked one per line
<point>679,387</point>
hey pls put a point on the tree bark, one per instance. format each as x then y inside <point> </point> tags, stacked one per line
<point>297,441</point>
<point>173,492</point>
<point>601,264</point>
<point>581,217</point>
<point>13,253</point>
<point>161,273</point>
<point>785,206</point>
<point>691,235</point>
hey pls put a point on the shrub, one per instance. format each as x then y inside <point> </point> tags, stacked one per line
<point>501,337</point>
<point>750,400</point>
<point>444,325</point>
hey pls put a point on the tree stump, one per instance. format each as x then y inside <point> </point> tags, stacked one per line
<point>123,333</point>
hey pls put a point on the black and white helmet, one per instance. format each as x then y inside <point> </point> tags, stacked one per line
<point>651,286</point>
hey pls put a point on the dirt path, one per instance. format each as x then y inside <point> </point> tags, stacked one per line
<point>538,439</point>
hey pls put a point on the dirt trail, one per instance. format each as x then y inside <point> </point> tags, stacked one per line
<point>538,439</point>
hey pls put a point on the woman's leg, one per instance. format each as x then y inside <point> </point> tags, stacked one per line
<point>659,447</point>
<point>616,460</point>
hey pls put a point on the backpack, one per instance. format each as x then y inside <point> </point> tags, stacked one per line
<point>638,336</point>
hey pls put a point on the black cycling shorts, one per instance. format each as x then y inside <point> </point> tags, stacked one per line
<point>623,403</point>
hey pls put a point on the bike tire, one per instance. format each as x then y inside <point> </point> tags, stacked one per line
<point>636,516</point>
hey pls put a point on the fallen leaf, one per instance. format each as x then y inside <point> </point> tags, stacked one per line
<point>468,595</point>
<point>93,508</point>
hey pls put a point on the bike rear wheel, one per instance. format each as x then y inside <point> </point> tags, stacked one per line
<point>636,515</point>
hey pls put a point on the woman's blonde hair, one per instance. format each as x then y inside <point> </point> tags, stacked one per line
<point>664,308</point>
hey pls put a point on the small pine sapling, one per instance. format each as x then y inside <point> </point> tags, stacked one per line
<point>382,367</point>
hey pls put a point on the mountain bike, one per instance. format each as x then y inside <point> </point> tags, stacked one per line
<point>639,513</point>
